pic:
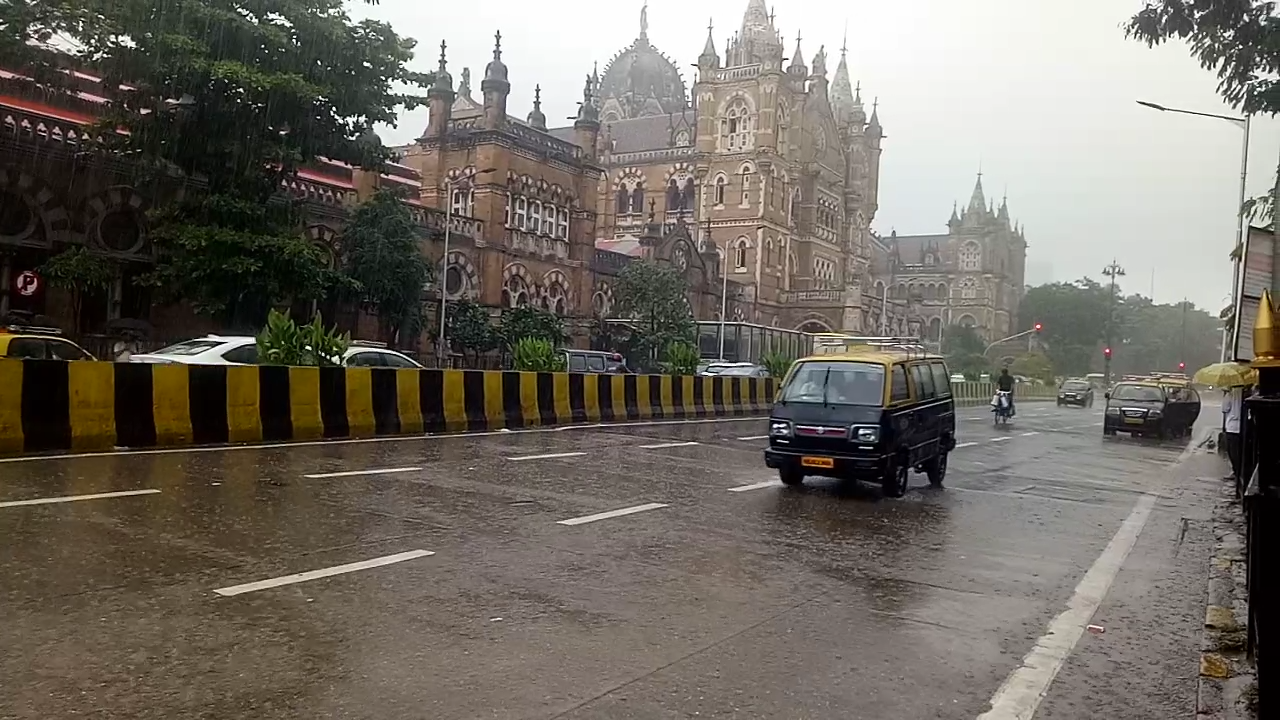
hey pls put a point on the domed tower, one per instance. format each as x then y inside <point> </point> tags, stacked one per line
<point>641,81</point>
<point>495,88</point>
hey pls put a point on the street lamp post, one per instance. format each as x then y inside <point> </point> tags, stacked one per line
<point>1112,271</point>
<point>449,183</point>
<point>1238,254</point>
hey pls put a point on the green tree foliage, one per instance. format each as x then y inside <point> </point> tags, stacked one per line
<point>652,296</point>
<point>1152,337</point>
<point>533,354</point>
<point>530,322</point>
<point>682,358</point>
<point>380,252</point>
<point>1074,316</point>
<point>963,348</point>
<point>284,342</point>
<point>237,95</point>
<point>468,329</point>
<point>79,271</point>
<point>1033,365</point>
<point>778,364</point>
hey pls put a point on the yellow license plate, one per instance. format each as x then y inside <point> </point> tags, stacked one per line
<point>1133,421</point>
<point>818,462</point>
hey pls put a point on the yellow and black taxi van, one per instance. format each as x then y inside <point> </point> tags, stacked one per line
<point>874,412</point>
<point>25,342</point>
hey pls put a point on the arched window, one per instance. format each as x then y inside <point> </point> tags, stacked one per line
<point>637,199</point>
<point>518,220</point>
<point>740,254</point>
<point>968,288</point>
<point>562,224</point>
<point>624,200</point>
<point>879,289</point>
<point>768,252</point>
<point>970,257</point>
<point>794,210</point>
<point>745,173</point>
<point>944,292</point>
<point>737,126</point>
<point>535,217</point>
<point>674,198</point>
<point>721,182</point>
<point>686,197</point>
<point>462,200</point>
<point>935,329</point>
<point>549,219</point>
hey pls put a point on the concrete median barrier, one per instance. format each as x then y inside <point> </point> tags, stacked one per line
<point>51,406</point>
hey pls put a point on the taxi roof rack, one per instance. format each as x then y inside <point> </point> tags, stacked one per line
<point>369,344</point>
<point>31,329</point>
<point>885,343</point>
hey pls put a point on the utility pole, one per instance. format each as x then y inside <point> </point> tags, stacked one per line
<point>1112,271</point>
<point>1182,348</point>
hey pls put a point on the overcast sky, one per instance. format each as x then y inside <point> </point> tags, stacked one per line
<point>1041,94</point>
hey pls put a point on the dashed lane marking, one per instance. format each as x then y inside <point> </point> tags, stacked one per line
<point>547,456</point>
<point>999,439</point>
<point>749,438</point>
<point>965,445</point>
<point>611,514</point>
<point>1029,434</point>
<point>355,473</point>
<point>659,446</point>
<point>74,498</point>
<point>322,573</point>
<point>755,486</point>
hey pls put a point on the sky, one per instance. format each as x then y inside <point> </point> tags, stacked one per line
<point>1041,96</point>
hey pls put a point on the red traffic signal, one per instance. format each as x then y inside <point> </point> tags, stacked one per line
<point>1039,327</point>
<point>1182,366</point>
<point>1106,351</point>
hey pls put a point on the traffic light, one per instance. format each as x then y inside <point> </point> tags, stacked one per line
<point>1182,366</point>
<point>1106,351</point>
<point>1039,327</point>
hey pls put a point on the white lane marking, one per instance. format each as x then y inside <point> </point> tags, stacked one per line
<point>999,439</point>
<point>548,456</point>
<point>322,573</point>
<point>1029,434</point>
<point>73,498</point>
<point>749,438</point>
<point>659,446</point>
<point>611,514</point>
<point>1022,691</point>
<point>755,486</point>
<point>361,441</point>
<point>965,445</point>
<point>354,473</point>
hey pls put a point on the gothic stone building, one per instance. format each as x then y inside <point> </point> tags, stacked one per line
<point>972,275</point>
<point>764,168</point>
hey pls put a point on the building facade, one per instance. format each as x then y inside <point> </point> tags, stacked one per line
<point>769,168</point>
<point>972,275</point>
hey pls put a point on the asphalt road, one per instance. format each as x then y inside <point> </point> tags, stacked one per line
<point>473,577</point>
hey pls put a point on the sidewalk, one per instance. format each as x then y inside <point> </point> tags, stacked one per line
<point>1156,656</point>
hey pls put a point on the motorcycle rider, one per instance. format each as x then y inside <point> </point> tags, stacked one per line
<point>1005,384</point>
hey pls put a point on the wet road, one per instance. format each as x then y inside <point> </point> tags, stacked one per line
<point>645,571</point>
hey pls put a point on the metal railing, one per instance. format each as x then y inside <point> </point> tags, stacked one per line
<point>1258,485</point>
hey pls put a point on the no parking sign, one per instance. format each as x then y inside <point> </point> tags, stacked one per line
<point>27,283</point>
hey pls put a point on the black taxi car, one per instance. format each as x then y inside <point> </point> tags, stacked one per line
<point>1076,392</point>
<point>872,413</point>
<point>1137,407</point>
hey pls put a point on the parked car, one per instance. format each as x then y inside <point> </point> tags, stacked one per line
<point>595,361</point>
<point>243,350</point>
<point>744,370</point>
<point>25,342</point>
<point>717,367</point>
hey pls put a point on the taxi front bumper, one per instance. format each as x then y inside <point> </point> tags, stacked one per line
<point>864,464</point>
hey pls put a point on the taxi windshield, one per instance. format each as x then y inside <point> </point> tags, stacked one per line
<point>1140,393</point>
<point>1075,385</point>
<point>836,383</point>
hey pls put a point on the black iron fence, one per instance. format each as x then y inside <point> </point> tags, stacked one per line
<point>1258,485</point>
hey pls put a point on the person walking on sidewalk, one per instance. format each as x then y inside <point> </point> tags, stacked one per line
<point>1231,406</point>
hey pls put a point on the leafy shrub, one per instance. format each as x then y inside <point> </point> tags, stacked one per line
<point>284,342</point>
<point>777,364</point>
<point>682,359</point>
<point>537,355</point>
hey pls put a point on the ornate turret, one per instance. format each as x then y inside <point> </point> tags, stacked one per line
<point>797,66</point>
<point>709,60</point>
<point>640,81</point>
<point>954,222</point>
<point>978,201</point>
<point>873,125</point>
<point>587,125</point>
<point>495,87</point>
<point>842,101</point>
<point>758,40</point>
<point>440,97</point>
<point>536,118</point>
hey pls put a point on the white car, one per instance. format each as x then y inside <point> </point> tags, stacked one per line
<point>243,350</point>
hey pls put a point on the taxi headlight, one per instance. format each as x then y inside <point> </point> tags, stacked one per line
<point>1113,411</point>
<point>1154,413</point>
<point>865,433</point>
<point>780,428</point>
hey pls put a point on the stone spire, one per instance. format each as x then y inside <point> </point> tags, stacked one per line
<point>955,215</point>
<point>978,202</point>
<point>536,118</point>
<point>709,59</point>
<point>842,101</point>
<point>873,126</point>
<point>440,97</point>
<point>586,128</point>
<point>495,87</point>
<point>797,66</point>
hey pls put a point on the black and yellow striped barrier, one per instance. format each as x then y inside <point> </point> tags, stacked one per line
<point>48,405</point>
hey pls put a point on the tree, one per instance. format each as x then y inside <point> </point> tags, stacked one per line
<point>530,322</point>
<point>1157,337</point>
<point>1239,40</point>
<point>963,348</point>
<point>653,297</point>
<point>1074,316</point>
<point>380,252</point>
<point>79,272</point>
<point>468,329</point>
<point>235,95</point>
<point>1033,365</point>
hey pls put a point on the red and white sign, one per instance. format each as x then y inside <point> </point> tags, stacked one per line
<point>27,283</point>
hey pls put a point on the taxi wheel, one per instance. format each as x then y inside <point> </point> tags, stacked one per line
<point>936,469</point>
<point>895,482</point>
<point>790,478</point>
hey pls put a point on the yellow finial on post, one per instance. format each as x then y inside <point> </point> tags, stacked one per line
<point>1266,343</point>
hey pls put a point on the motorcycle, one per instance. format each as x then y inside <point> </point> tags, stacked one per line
<point>1002,407</point>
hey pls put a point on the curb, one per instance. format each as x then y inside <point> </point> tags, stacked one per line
<point>1228,681</point>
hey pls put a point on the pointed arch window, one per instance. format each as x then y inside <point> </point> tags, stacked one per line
<point>737,126</point>
<point>970,257</point>
<point>744,173</point>
<point>721,183</point>
<point>687,195</point>
<point>637,199</point>
<point>740,254</point>
<point>675,200</point>
<point>624,200</point>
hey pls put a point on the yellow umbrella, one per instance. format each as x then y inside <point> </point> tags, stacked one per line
<point>1226,374</point>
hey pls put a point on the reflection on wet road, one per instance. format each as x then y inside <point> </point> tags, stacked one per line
<point>645,571</point>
